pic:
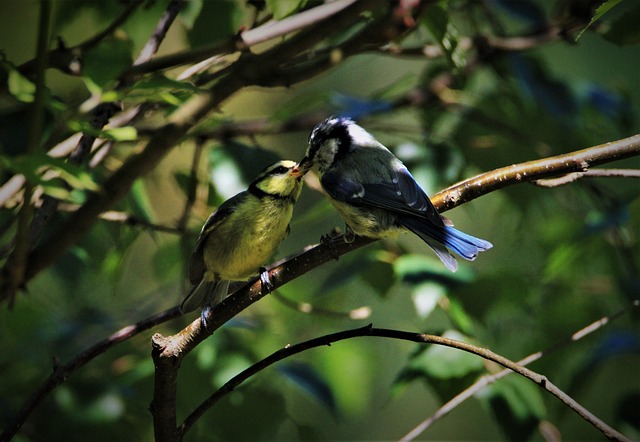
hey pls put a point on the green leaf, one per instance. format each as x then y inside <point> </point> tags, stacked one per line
<point>440,362</point>
<point>104,63</point>
<point>31,167</point>
<point>284,8</point>
<point>517,406</point>
<point>602,9</point>
<point>20,86</point>
<point>625,30</point>
<point>125,133</point>
<point>311,381</point>
<point>217,20</point>
<point>415,269</point>
<point>426,296</point>
<point>141,203</point>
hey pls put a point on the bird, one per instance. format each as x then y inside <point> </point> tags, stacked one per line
<point>376,195</point>
<point>241,235</point>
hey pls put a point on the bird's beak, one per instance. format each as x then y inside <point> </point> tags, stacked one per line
<point>305,165</point>
<point>296,172</point>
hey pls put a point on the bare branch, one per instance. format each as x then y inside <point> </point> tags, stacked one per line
<point>599,173</point>
<point>152,45</point>
<point>579,161</point>
<point>489,379</point>
<point>64,58</point>
<point>369,330</point>
<point>62,372</point>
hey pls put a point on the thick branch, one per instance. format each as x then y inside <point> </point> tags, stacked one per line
<point>248,70</point>
<point>579,161</point>
<point>180,344</point>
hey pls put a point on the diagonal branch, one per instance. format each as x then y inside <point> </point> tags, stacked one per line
<point>246,71</point>
<point>579,161</point>
<point>176,347</point>
<point>61,372</point>
<point>63,58</point>
<point>488,379</point>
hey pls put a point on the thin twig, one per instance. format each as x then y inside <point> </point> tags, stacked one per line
<point>591,173</point>
<point>62,372</point>
<point>369,330</point>
<point>489,379</point>
<point>309,309</point>
<point>63,58</point>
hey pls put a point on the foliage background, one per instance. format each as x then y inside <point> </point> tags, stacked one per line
<point>562,258</point>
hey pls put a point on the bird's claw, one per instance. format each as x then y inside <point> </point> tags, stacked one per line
<point>203,315</point>
<point>349,235</point>
<point>327,241</point>
<point>265,281</point>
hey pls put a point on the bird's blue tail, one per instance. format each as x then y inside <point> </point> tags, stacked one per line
<point>437,237</point>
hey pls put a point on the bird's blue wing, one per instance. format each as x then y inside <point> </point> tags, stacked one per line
<point>401,195</point>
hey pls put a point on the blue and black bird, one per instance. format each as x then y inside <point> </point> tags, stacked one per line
<point>376,195</point>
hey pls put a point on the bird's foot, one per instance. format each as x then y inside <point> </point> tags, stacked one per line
<point>204,314</point>
<point>349,235</point>
<point>265,281</point>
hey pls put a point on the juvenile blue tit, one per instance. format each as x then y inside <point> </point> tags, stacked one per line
<point>375,194</point>
<point>242,235</point>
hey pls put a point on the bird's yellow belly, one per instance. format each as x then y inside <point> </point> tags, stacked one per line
<point>255,239</point>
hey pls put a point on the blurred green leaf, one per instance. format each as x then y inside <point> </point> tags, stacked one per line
<point>283,8</point>
<point>625,30</point>
<point>440,362</point>
<point>517,406</point>
<point>414,269</point>
<point>31,166</point>
<point>308,379</point>
<point>126,133</point>
<point>602,9</point>
<point>425,297</point>
<point>141,205</point>
<point>20,87</point>
<point>217,20</point>
<point>104,63</point>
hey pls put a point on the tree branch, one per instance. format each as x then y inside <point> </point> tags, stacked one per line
<point>179,345</point>
<point>13,274</point>
<point>369,330</point>
<point>246,71</point>
<point>489,379</point>
<point>579,161</point>
<point>63,58</point>
<point>599,173</point>
<point>62,372</point>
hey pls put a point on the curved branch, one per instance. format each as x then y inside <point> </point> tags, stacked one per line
<point>176,347</point>
<point>489,379</point>
<point>369,330</point>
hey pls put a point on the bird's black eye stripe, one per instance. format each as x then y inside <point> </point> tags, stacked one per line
<point>280,170</point>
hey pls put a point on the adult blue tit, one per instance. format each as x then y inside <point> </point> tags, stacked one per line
<point>242,235</point>
<point>375,194</point>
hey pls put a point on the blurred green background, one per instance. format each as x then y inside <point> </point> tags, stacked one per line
<point>562,258</point>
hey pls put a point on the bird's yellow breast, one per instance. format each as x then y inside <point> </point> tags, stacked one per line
<point>246,239</point>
